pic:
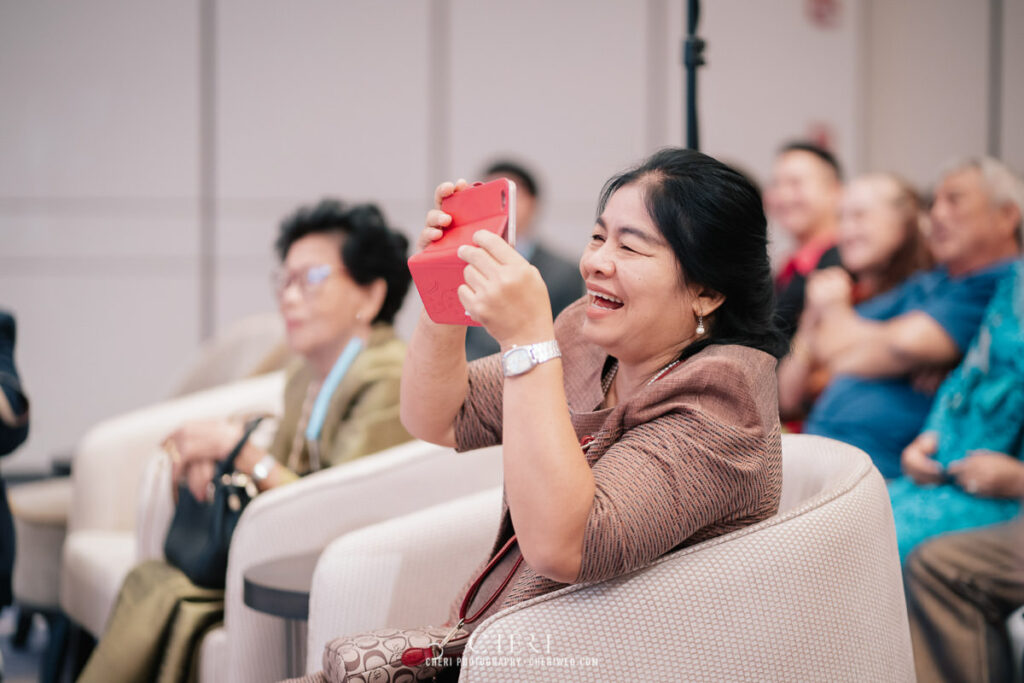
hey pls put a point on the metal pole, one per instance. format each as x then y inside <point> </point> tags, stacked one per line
<point>693,57</point>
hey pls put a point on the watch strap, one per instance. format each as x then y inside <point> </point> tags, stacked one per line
<point>542,352</point>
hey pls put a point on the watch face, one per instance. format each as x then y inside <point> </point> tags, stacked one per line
<point>517,361</point>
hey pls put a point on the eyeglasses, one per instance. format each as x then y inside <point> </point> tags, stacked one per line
<point>308,279</point>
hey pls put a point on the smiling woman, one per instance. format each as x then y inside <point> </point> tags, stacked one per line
<point>645,417</point>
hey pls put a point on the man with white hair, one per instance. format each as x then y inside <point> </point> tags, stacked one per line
<point>876,350</point>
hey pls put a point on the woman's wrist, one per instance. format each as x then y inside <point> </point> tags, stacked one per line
<point>248,458</point>
<point>533,334</point>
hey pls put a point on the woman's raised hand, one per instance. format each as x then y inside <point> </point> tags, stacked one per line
<point>438,220</point>
<point>504,293</point>
<point>829,287</point>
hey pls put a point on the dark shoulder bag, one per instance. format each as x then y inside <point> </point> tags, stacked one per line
<point>200,534</point>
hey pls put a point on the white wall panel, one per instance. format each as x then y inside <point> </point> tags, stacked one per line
<point>98,99</point>
<point>774,74</point>
<point>316,98</point>
<point>98,162</point>
<point>321,97</point>
<point>92,345</point>
<point>928,75</point>
<point>560,86</point>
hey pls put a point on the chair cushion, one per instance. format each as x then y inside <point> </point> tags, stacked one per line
<point>42,502</point>
<point>37,562</point>
<point>95,563</point>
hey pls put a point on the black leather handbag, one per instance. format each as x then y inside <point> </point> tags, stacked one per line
<point>200,533</point>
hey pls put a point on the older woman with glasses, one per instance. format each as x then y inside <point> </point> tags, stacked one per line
<point>341,281</point>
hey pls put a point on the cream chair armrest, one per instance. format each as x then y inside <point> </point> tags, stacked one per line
<point>403,572</point>
<point>156,507</point>
<point>108,463</point>
<point>306,515</point>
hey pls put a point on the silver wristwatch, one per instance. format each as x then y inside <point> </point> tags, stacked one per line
<point>520,359</point>
<point>262,469</point>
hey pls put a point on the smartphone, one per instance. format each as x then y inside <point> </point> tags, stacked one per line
<point>437,270</point>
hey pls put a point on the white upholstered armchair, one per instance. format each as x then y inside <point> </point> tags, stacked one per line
<point>110,501</point>
<point>306,515</point>
<point>812,594</point>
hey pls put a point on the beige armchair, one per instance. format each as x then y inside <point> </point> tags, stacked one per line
<point>107,493</point>
<point>250,346</point>
<point>305,516</point>
<point>812,594</point>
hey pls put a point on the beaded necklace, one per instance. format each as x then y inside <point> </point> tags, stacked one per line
<point>606,383</point>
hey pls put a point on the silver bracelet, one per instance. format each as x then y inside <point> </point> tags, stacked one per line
<point>263,468</point>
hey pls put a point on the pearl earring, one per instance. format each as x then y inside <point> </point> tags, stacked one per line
<point>700,324</point>
<point>359,316</point>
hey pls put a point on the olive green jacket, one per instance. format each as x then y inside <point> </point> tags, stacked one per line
<point>362,417</point>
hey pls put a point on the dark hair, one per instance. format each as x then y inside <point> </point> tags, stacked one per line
<point>370,250</point>
<point>522,178</point>
<point>817,150</point>
<point>912,254</point>
<point>712,218</point>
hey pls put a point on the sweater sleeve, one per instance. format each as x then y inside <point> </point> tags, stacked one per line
<point>479,421</point>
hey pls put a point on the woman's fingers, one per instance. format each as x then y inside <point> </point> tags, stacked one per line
<point>498,248</point>
<point>480,258</point>
<point>436,218</point>
<point>441,191</point>
<point>468,300</point>
<point>428,236</point>
<point>199,476</point>
<point>491,253</point>
<point>447,189</point>
<point>474,278</point>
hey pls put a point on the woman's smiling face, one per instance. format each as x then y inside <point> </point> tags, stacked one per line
<point>639,308</point>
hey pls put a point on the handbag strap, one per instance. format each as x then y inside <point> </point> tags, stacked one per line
<point>227,465</point>
<point>416,656</point>
<point>475,587</point>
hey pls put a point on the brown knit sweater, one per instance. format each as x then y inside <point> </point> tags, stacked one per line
<point>694,455</point>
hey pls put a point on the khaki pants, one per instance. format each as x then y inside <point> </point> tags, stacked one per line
<point>960,590</point>
<point>154,633</point>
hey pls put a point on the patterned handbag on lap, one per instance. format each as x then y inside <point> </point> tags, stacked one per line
<point>406,655</point>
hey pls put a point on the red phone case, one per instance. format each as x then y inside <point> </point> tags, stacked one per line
<point>437,270</point>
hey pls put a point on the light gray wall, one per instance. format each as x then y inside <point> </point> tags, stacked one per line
<point>100,131</point>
